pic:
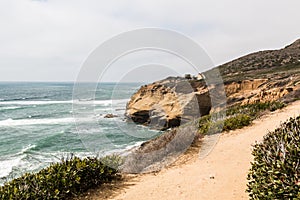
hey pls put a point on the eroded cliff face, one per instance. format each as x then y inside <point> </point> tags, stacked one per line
<point>244,86</point>
<point>175,101</point>
<point>169,103</point>
<point>262,90</point>
<point>154,102</point>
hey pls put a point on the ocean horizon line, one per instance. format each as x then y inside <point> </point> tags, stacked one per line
<point>70,82</point>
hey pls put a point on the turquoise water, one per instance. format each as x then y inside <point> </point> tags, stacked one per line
<point>38,125</point>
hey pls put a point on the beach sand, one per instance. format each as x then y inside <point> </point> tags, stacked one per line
<point>222,174</point>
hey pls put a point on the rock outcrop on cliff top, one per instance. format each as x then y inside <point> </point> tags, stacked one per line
<point>257,77</point>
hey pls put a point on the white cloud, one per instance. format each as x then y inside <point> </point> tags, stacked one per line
<point>49,40</point>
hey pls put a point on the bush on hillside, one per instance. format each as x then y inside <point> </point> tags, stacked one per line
<point>206,126</point>
<point>60,181</point>
<point>236,117</point>
<point>275,172</point>
<point>254,109</point>
<point>236,122</point>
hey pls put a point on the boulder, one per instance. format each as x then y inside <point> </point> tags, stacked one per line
<point>110,115</point>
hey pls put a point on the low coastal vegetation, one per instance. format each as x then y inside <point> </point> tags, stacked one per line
<point>275,171</point>
<point>235,117</point>
<point>63,180</point>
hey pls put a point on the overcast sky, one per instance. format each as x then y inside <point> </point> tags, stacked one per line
<point>49,40</point>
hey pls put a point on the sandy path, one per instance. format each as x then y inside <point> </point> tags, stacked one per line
<point>228,163</point>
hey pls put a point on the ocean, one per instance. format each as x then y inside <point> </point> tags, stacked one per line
<point>38,125</point>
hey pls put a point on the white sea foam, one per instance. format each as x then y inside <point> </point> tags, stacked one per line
<point>11,122</point>
<point>6,166</point>
<point>33,102</point>
<point>10,107</point>
<point>102,102</point>
<point>85,102</point>
<point>136,144</point>
<point>27,148</point>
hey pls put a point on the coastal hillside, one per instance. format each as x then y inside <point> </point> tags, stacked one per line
<point>263,76</point>
<point>263,64</point>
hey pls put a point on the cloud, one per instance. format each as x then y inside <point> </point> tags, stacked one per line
<point>49,40</point>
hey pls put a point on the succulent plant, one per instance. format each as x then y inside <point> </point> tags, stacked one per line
<point>275,171</point>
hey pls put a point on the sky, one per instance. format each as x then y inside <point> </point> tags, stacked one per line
<point>50,40</point>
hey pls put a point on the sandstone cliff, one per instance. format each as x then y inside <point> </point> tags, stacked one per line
<point>169,102</point>
<point>258,77</point>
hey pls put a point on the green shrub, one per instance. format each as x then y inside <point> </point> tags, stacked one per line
<point>255,109</point>
<point>60,181</point>
<point>204,124</point>
<point>231,123</point>
<point>236,117</point>
<point>236,122</point>
<point>113,161</point>
<point>275,172</point>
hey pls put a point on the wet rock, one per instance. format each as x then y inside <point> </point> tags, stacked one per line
<point>110,115</point>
